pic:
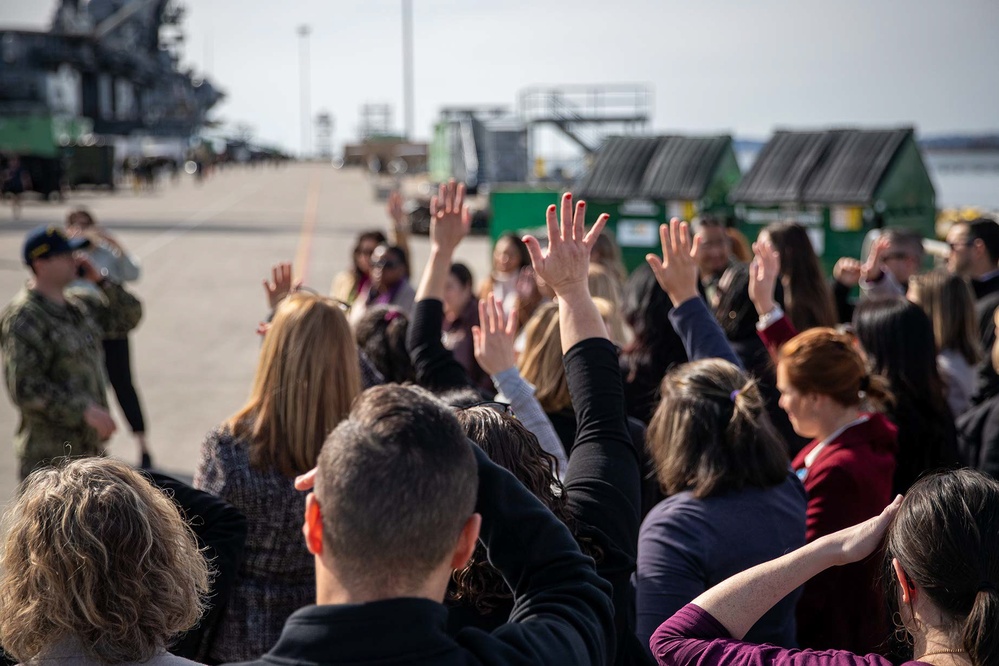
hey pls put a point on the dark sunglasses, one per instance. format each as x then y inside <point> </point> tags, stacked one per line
<point>386,263</point>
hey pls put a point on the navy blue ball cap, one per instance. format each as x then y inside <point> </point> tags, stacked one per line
<point>42,242</point>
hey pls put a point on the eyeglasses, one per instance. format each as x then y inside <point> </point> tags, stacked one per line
<point>386,263</point>
<point>344,307</point>
<point>501,407</point>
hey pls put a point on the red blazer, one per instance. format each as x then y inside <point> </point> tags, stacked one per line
<point>849,482</point>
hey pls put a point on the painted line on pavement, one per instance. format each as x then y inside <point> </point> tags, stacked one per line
<point>304,255</point>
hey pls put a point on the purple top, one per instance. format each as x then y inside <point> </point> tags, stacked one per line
<point>693,636</point>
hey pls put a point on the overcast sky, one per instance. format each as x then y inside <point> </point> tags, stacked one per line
<point>731,65</point>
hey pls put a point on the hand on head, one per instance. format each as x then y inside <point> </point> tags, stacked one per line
<point>855,543</point>
<point>676,273</point>
<point>564,264</point>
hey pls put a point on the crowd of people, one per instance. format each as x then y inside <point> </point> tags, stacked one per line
<point>721,458</point>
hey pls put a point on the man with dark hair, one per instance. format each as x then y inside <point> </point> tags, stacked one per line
<point>52,356</point>
<point>394,440</point>
<point>400,498</point>
<point>974,255</point>
<point>714,255</point>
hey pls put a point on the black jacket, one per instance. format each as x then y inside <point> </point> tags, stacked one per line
<point>561,611</point>
<point>978,430</point>
<point>221,530</point>
<point>603,476</point>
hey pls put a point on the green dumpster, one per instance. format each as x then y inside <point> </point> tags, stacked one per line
<point>642,182</point>
<point>839,185</point>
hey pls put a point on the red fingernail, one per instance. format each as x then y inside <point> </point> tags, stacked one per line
<point>568,195</point>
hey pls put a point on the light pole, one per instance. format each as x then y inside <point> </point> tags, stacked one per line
<point>407,66</point>
<point>303,33</point>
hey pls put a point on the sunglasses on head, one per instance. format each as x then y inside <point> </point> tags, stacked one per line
<point>501,407</point>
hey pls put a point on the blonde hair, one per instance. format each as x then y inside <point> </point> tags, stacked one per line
<point>948,301</point>
<point>307,377</point>
<point>607,293</point>
<point>95,553</point>
<point>541,361</point>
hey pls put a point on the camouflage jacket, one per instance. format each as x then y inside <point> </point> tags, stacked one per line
<point>116,309</point>
<point>54,367</point>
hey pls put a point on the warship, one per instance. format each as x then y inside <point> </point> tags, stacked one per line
<point>100,91</point>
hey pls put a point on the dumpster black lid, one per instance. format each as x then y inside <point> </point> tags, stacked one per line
<point>832,166</point>
<point>656,167</point>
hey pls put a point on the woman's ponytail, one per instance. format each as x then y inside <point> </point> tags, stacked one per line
<point>981,628</point>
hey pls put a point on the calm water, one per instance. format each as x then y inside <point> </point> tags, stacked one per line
<point>965,179</point>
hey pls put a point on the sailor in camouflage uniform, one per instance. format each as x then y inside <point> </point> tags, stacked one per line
<point>52,353</point>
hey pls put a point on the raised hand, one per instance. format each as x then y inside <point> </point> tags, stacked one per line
<point>280,285</point>
<point>763,274</point>
<point>873,268</point>
<point>847,271</point>
<point>565,263</point>
<point>676,273</point>
<point>493,338</point>
<point>394,208</point>
<point>449,217</point>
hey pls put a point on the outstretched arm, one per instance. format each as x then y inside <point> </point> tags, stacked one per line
<point>604,476</point>
<point>435,366</point>
<point>740,601</point>
<point>493,340</point>
<point>399,233</point>
<point>774,328</point>
<point>449,223</point>
<point>676,273</point>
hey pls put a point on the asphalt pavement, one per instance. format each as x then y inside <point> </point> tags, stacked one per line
<point>205,249</point>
